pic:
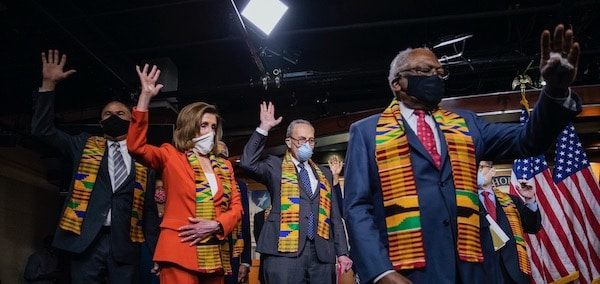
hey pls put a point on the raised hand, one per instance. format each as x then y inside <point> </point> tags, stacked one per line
<point>526,190</point>
<point>559,60</point>
<point>267,116</point>
<point>335,164</point>
<point>149,88</point>
<point>53,69</point>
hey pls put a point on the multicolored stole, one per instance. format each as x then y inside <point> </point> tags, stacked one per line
<point>400,200</point>
<point>236,237</point>
<point>212,255</point>
<point>87,172</point>
<point>514,219</point>
<point>290,205</point>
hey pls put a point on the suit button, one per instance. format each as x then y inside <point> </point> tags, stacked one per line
<point>446,222</point>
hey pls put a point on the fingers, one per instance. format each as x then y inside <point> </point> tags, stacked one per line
<point>558,39</point>
<point>193,220</point>
<point>545,45</point>
<point>277,121</point>
<point>53,57</point>
<point>567,42</point>
<point>574,55</point>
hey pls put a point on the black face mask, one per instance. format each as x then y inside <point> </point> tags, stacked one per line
<point>115,126</point>
<point>427,89</point>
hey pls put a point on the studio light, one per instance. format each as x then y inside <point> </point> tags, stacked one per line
<point>264,14</point>
<point>452,49</point>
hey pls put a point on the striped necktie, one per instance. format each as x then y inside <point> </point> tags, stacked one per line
<point>120,170</point>
<point>305,180</point>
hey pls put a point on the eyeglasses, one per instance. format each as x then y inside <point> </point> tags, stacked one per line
<point>428,71</point>
<point>303,140</point>
<point>481,167</point>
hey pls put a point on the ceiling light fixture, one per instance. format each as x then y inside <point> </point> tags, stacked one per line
<point>264,14</point>
<point>457,46</point>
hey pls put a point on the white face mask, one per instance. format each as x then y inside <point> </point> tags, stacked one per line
<point>204,143</point>
<point>304,152</point>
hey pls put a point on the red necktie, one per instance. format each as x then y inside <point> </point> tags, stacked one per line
<point>425,134</point>
<point>490,206</point>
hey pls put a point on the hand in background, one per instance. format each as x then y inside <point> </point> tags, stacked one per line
<point>335,165</point>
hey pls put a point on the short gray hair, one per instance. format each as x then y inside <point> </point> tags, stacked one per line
<point>400,62</point>
<point>294,123</point>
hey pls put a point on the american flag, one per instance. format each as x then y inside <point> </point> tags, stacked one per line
<point>551,250</point>
<point>579,188</point>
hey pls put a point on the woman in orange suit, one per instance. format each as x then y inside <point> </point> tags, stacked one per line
<point>203,204</point>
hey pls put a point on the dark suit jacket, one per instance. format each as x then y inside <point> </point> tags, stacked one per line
<point>245,257</point>
<point>102,198</point>
<point>502,266</point>
<point>268,172</point>
<point>364,214</point>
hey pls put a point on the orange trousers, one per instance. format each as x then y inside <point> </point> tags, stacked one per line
<point>174,274</point>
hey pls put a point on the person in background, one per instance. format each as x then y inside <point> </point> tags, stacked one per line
<point>411,206</point>
<point>241,261</point>
<point>110,210</point>
<point>148,273</point>
<point>303,234</point>
<point>336,165</point>
<point>202,200</point>
<point>160,198</point>
<point>508,264</point>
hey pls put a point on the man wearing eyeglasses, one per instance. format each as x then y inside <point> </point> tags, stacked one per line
<point>303,235</point>
<point>506,262</point>
<point>411,205</point>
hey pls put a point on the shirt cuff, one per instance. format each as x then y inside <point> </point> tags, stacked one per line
<point>567,102</point>
<point>262,131</point>
<point>382,275</point>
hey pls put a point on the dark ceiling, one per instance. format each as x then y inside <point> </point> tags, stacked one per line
<point>333,54</point>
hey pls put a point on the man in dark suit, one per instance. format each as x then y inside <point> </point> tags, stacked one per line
<point>240,265</point>
<point>303,235</point>
<point>110,207</point>
<point>411,205</point>
<point>508,263</point>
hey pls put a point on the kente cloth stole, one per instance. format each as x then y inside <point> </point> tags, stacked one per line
<point>236,237</point>
<point>400,200</point>
<point>87,172</point>
<point>212,254</point>
<point>514,219</point>
<point>290,205</point>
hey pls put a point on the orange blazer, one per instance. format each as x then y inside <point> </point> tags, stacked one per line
<point>180,190</point>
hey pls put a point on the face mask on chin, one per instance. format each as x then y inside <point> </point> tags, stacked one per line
<point>114,126</point>
<point>204,144</point>
<point>427,89</point>
<point>304,152</point>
